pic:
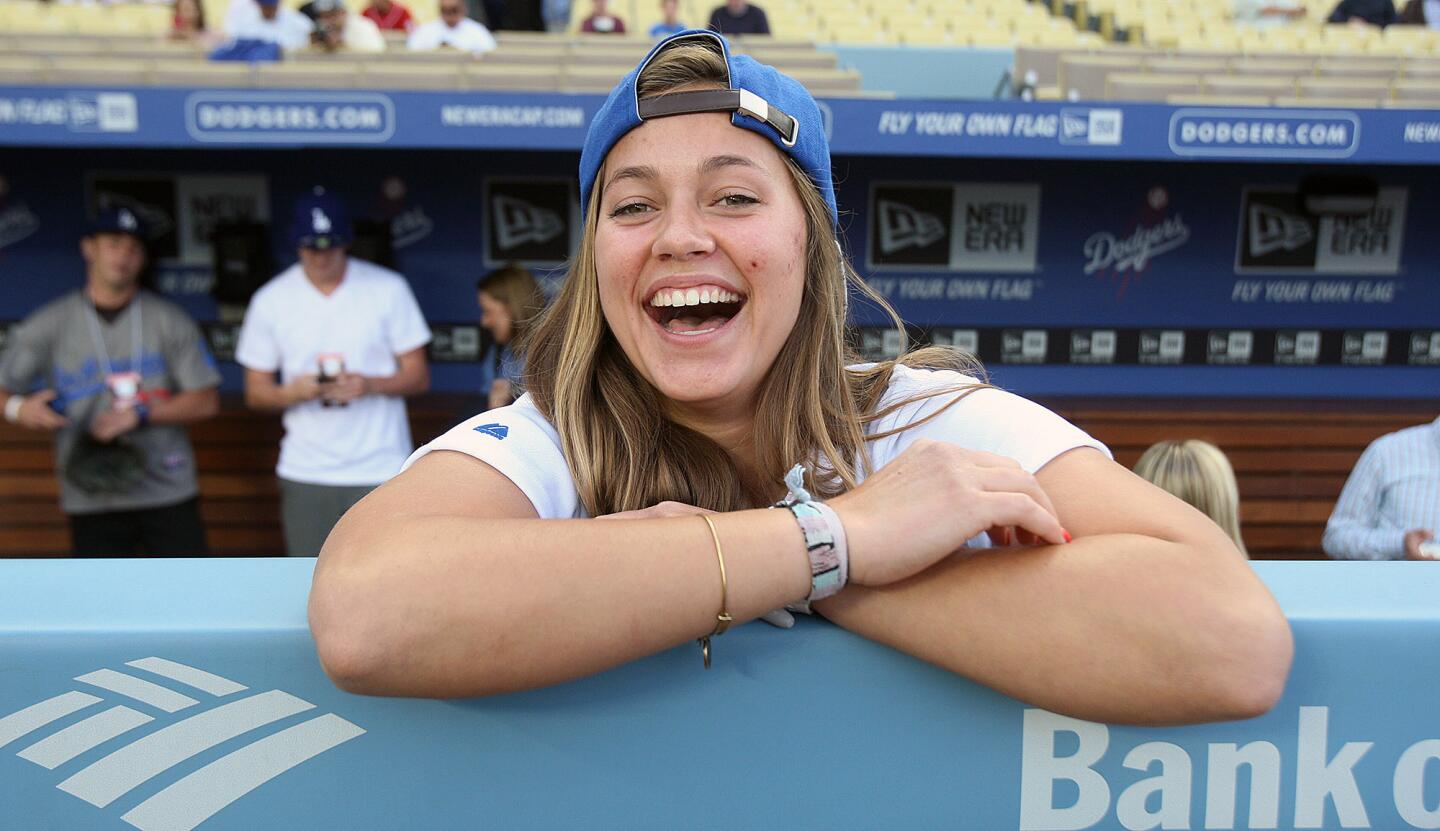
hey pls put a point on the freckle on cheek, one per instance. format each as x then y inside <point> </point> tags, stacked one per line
<point>754,265</point>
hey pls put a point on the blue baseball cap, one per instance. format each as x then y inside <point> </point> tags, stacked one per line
<point>321,221</point>
<point>117,220</point>
<point>761,98</point>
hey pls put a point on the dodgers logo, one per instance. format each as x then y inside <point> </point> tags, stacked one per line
<point>165,740</point>
<point>319,221</point>
<point>494,431</point>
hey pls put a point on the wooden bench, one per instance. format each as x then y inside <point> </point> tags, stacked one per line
<point>1291,459</point>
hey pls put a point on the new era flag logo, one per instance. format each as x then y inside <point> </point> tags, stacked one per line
<point>494,431</point>
<point>1272,230</point>
<point>901,226</point>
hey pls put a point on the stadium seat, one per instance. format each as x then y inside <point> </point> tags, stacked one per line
<point>1337,102</point>
<point>1183,65</point>
<point>1418,92</point>
<point>1218,100</point>
<point>1129,86</point>
<point>1376,88</point>
<point>1085,74</point>
<point>1242,85</point>
<point>1356,67</point>
<point>21,69</point>
<point>1288,66</point>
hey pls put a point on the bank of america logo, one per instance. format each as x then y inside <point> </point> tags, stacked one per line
<point>195,797</point>
<point>901,226</point>
<point>520,222</point>
<point>1273,230</point>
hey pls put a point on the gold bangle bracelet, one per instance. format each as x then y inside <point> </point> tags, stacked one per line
<point>723,619</point>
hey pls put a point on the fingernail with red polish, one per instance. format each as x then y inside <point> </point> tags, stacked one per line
<point>1068,538</point>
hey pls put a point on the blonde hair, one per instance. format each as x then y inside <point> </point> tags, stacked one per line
<point>622,449</point>
<point>1197,472</point>
<point>514,288</point>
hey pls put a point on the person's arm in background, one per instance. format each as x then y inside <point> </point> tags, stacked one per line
<point>1149,616</point>
<point>1351,533</point>
<point>406,335</point>
<point>193,375</point>
<point>412,377</point>
<point>26,358</point>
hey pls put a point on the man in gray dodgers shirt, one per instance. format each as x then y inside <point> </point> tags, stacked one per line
<point>115,373</point>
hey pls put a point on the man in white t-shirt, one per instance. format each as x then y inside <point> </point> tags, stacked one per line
<point>268,21</point>
<point>337,30</point>
<point>454,30</point>
<point>348,342</point>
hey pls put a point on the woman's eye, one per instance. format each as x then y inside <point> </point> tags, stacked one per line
<point>736,200</point>
<point>629,209</point>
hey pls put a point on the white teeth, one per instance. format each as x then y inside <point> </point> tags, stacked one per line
<point>693,297</point>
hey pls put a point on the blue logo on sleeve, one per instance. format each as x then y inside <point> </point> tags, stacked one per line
<point>494,431</point>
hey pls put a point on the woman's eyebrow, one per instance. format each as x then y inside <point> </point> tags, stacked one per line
<point>715,163</point>
<point>643,172</point>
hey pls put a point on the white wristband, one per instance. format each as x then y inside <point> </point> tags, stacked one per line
<point>12,408</point>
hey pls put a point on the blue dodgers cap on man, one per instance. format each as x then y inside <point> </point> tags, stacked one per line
<point>321,221</point>
<point>763,100</point>
<point>119,220</point>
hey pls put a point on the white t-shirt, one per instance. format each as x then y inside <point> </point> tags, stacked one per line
<point>370,318</point>
<point>520,443</point>
<point>289,29</point>
<point>467,36</point>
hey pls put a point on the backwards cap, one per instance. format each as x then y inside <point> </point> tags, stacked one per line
<point>761,98</point>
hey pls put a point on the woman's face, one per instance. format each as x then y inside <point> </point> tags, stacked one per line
<point>700,252</point>
<point>495,318</point>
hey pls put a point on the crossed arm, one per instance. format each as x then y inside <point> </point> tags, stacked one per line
<point>442,583</point>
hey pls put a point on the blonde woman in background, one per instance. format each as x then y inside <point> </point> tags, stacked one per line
<point>1197,472</point>
<point>510,301</point>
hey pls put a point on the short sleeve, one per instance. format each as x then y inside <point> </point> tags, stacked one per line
<point>189,357</point>
<point>523,446</point>
<point>27,355</point>
<point>405,326</point>
<point>987,419</point>
<point>256,348</point>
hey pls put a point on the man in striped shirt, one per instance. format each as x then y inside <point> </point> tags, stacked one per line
<point>1390,507</point>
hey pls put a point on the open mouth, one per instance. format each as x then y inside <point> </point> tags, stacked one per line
<point>694,311</point>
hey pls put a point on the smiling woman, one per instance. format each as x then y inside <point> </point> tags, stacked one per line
<point>693,371</point>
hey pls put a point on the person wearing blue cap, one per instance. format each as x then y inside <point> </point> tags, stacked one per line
<point>115,373</point>
<point>692,388</point>
<point>335,344</point>
<point>269,22</point>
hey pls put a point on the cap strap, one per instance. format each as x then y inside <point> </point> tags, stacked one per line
<point>722,100</point>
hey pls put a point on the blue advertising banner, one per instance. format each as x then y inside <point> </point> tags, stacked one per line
<point>160,117</point>
<point>1119,250</point>
<point>184,694</point>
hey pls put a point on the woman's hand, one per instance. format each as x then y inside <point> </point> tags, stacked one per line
<point>929,500</point>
